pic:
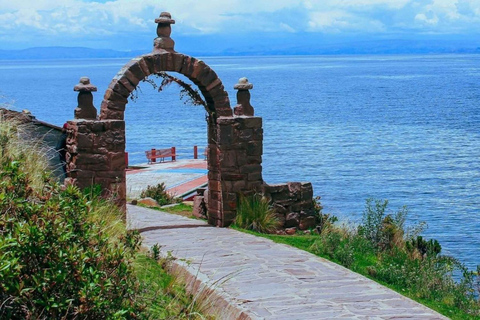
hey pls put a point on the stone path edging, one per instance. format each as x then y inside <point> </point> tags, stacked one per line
<point>255,278</point>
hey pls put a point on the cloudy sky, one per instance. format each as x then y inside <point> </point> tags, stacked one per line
<point>128,24</point>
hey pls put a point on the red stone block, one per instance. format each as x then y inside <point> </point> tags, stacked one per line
<point>215,83</point>
<point>213,175</point>
<point>228,218</point>
<point>144,66</point>
<point>178,61</point>
<point>84,141</point>
<point>257,176</point>
<point>253,122</point>
<point>225,135</point>
<point>214,195</point>
<point>207,76</point>
<point>255,149</point>
<point>198,67</point>
<point>252,168</point>
<point>115,125</point>
<point>187,66</point>
<point>231,176</point>
<point>229,196</point>
<point>117,161</point>
<point>114,96</point>
<point>254,160</point>
<point>214,205</point>
<point>167,61</point>
<point>149,60</point>
<point>222,106</point>
<point>214,185</point>
<point>137,71</point>
<point>109,114</point>
<point>86,158</point>
<point>229,159</point>
<point>132,78</point>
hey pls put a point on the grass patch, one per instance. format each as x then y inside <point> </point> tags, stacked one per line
<point>163,294</point>
<point>181,209</point>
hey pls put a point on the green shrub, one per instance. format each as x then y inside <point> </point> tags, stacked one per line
<point>54,261</point>
<point>386,231</point>
<point>254,213</point>
<point>424,247</point>
<point>159,193</point>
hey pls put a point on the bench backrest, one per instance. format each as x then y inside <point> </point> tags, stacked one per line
<point>160,153</point>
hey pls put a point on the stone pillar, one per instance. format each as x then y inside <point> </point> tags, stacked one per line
<point>96,155</point>
<point>85,108</point>
<point>163,42</point>
<point>243,107</point>
<point>240,147</point>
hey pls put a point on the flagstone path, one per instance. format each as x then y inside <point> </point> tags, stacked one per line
<point>249,277</point>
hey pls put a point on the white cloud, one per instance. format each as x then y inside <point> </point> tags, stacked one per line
<point>422,18</point>
<point>80,18</point>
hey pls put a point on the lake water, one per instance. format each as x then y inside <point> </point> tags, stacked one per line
<point>402,128</point>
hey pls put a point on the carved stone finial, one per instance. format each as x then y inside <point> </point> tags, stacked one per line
<point>164,30</point>
<point>243,107</point>
<point>84,85</point>
<point>85,108</point>
<point>243,84</point>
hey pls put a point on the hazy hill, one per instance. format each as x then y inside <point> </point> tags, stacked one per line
<point>265,44</point>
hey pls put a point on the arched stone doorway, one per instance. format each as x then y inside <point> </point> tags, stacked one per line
<point>235,142</point>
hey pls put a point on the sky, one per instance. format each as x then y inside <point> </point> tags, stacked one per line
<point>129,24</point>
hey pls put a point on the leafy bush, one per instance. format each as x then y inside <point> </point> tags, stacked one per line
<point>55,262</point>
<point>159,193</point>
<point>254,213</point>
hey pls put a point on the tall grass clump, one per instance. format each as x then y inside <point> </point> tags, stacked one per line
<point>31,152</point>
<point>254,213</point>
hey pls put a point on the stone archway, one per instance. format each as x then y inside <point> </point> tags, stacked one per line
<point>235,143</point>
<point>96,147</point>
<point>218,106</point>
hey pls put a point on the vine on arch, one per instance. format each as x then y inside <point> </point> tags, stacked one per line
<point>188,94</point>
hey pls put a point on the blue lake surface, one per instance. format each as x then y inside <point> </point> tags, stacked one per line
<point>402,128</point>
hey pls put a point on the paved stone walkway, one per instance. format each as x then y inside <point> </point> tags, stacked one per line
<point>255,278</point>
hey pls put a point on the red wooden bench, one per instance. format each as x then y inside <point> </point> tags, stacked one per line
<point>154,154</point>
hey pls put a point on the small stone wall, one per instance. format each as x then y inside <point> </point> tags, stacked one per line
<point>293,202</point>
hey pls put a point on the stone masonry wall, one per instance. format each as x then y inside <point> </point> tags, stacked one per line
<point>96,155</point>
<point>240,141</point>
<point>293,203</point>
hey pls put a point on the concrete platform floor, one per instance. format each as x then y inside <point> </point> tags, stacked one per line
<point>180,177</point>
<point>255,278</point>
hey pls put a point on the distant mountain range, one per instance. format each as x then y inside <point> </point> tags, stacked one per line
<point>299,45</point>
<point>42,53</point>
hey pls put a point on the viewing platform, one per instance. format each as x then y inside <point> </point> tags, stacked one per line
<point>181,177</point>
